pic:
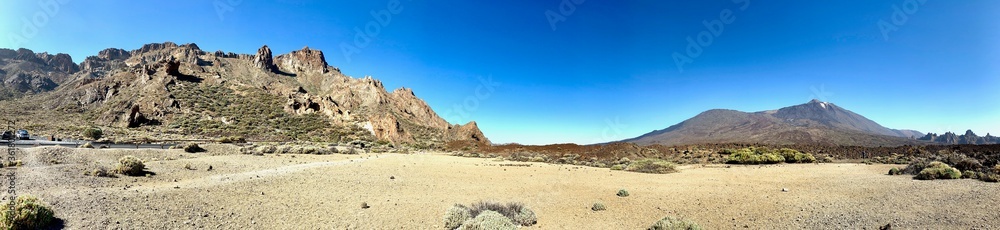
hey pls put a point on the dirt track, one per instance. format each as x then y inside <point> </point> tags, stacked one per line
<point>326,192</point>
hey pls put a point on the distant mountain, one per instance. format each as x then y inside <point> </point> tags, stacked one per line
<point>968,138</point>
<point>814,122</point>
<point>181,90</point>
<point>26,72</point>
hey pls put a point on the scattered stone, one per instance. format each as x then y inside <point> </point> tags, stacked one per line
<point>784,189</point>
<point>364,205</point>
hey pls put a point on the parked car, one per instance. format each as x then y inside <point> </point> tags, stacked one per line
<point>23,135</point>
<point>8,135</point>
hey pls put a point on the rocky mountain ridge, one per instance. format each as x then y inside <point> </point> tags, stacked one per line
<point>969,138</point>
<point>160,86</point>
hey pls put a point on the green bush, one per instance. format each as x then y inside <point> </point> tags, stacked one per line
<point>969,174</point>
<point>93,133</point>
<point>894,171</point>
<point>671,223</point>
<point>938,170</point>
<point>130,165</point>
<point>455,216</point>
<point>622,193</point>
<point>765,156</point>
<point>598,207</point>
<point>29,213</point>
<point>989,177</point>
<point>488,220</point>
<point>794,156</point>
<point>618,167</point>
<point>652,165</point>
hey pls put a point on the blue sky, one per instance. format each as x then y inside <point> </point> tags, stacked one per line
<point>605,72</point>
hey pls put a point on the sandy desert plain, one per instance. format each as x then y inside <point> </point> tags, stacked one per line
<point>413,191</point>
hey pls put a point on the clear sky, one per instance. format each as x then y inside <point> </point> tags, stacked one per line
<point>604,70</point>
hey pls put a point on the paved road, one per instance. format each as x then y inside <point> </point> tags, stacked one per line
<point>75,143</point>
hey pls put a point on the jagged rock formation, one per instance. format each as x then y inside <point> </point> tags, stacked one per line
<point>305,60</point>
<point>26,72</point>
<point>167,87</point>
<point>263,60</point>
<point>968,138</point>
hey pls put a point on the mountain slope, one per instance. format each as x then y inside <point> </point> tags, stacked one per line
<point>170,89</point>
<point>811,123</point>
<point>26,72</point>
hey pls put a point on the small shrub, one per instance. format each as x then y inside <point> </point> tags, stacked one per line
<point>87,145</point>
<point>938,170</point>
<point>989,177</point>
<point>671,223</point>
<point>969,174</point>
<point>455,216</point>
<point>93,133</point>
<point>267,149</point>
<point>193,148</point>
<point>188,166</point>
<point>488,220</point>
<point>29,213</point>
<point>652,165</point>
<point>12,163</point>
<point>537,159</point>
<point>618,167</point>
<point>524,217</point>
<point>622,193</point>
<point>915,167</point>
<point>963,163</point>
<point>894,171</point>
<point>100,171</point>
<point>130,165</point>
<point>516,212</point>
<point>598,207</point>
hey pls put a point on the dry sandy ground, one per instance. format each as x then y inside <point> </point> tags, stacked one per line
<point>326,192</point>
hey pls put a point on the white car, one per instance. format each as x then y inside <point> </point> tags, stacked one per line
<point>23,135</point>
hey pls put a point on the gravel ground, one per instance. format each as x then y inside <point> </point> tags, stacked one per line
<point>326,192</point>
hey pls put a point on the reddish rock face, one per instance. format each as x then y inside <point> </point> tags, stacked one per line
<point>305,60</point>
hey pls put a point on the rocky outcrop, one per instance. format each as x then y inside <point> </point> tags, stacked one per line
<point>469,131</point>
<point>114,54</point>
<point>303,61</point>
<point>62,62</point>
<point>387,127</point>
<point>968,138</point>
<point>24,72</point>
<point>263,59</point>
